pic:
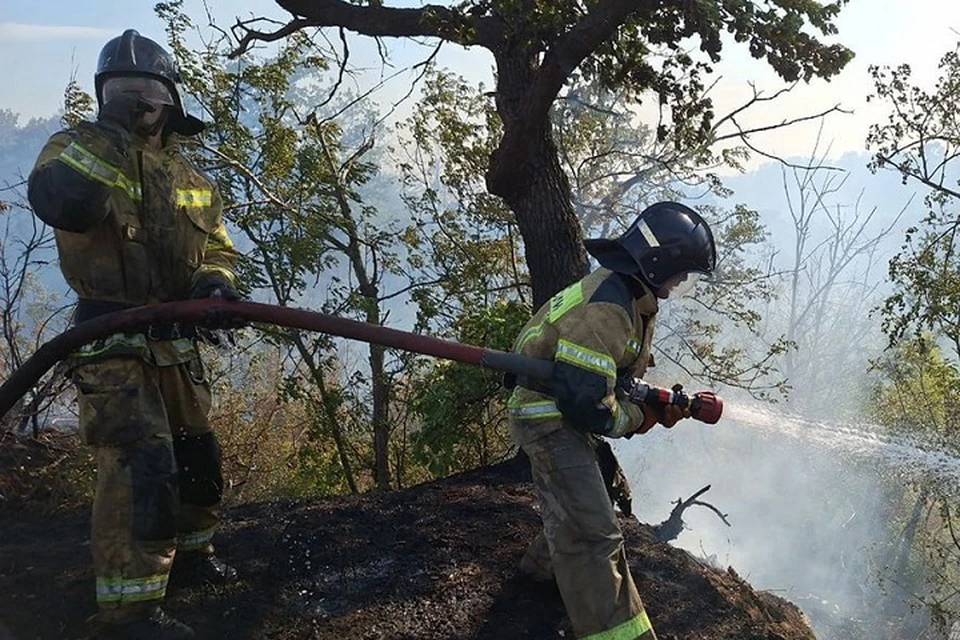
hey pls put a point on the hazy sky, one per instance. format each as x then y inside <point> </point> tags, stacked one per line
<point>43,43</point>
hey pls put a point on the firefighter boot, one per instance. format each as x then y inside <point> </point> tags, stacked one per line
<point>536,563</point>
<point>191,569</point>
<point>158,626</point>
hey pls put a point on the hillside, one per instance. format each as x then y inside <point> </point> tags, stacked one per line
<point>432,562</point>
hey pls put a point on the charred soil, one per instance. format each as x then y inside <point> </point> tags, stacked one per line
<point>436,561</point>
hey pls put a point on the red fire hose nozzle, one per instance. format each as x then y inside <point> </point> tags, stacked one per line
<point>706,406</point>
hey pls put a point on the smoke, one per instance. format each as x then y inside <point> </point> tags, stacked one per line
<point>813,509</point>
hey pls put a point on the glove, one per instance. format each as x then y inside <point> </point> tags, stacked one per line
<point>126,110</point>
<point>216,327</point>
<point>213,286</point>
<point>667,415</point>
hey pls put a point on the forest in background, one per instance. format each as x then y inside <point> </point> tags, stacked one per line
<point>842,305</point>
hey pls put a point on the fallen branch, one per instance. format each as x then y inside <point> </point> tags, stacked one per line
<point>670,528</point>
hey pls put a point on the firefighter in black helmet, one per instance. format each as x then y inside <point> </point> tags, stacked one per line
<point>597,331</point>
<point>136,223</point>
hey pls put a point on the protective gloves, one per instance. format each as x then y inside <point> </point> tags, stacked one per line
<point>217,327</point>
<point>666,414</point>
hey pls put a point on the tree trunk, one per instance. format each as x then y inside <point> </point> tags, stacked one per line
<point>316,372</point>
<point>381,424</point>
<point>539,192</point>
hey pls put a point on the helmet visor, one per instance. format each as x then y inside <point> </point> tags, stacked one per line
<point>150,89</point>
<point>681,285</point>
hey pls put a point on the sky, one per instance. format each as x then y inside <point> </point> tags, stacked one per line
<point>43,43</point>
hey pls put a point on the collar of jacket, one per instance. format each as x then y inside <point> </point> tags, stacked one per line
<point>647,304</point>
<point>171,141</point>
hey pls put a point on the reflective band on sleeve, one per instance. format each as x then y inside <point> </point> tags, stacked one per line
<point>212,268</point>
<point>586,359</point>
<point>538,410</point>
<point>195,540</point>
<point>194,197</point>
<point>648,234</point>
<point>87,164</point>
<point>131,589</point>
<point>634,346</point>
<point>183,345</point>
<point>620,421</point>
<point>219,240</point>
<point>562,302</point>
<point>632,629</point>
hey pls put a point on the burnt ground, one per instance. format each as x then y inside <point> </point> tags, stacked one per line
<point>432,562</point>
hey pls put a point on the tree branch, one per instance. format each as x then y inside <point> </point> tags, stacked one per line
<point>436,21</point>
<point>670,528</point>
<point>560,60</point>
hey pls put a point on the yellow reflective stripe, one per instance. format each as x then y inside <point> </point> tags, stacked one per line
<point>183,345</point>
<point>537,410</point>
<point>634,346</point>
<point>87,164</point>
<point>585,358</point>
<point>629,630</point>
<point>195,540</point>
<point>131,589</point>
<point>194,197</point>
<point>530,334</point>
<point>219,240</point>
<point>620,421</point>
<point>562,302</point>
<point>130,341</point>
<point>212,268</point>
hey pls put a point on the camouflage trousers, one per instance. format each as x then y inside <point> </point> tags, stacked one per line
<point>159,481</point>
<point>581,544</point>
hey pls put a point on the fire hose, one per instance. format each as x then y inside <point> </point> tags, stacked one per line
<point>705,406</point>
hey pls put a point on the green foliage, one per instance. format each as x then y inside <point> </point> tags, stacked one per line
<point>461,237</point>
<point>925,274</point>
<point>916,396</point>
<point>650,52</point>
<point>78,105</point>
<point>917,391</point>
<point>919,140</point>
<point>461,408</point>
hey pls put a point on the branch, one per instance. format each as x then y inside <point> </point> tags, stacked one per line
<point>436,21</point>
<point>670,528</point>
<point>923,179</point>
<point>252,35</point>
<point>559,61</point>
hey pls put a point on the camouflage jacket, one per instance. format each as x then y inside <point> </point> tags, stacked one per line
<point>134,225</point>
<point>595,331</point>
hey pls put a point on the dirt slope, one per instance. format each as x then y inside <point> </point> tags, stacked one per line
<point>432,562</point>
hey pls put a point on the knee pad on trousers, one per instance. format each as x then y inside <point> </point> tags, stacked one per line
<point>198,464</point>
<point>153,479</point>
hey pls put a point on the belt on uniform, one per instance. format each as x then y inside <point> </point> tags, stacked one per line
<point>88,309</point>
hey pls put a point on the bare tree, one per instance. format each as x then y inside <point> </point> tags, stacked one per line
<point>28,313</point>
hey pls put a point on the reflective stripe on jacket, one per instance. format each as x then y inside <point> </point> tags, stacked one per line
<point>594,330</point>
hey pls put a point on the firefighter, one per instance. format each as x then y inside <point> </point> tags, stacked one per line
<point>597,331</point>
<point>136,223</point>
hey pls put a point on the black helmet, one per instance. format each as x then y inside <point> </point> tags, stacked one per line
<point>667,239</point>
<point>130,55</point>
